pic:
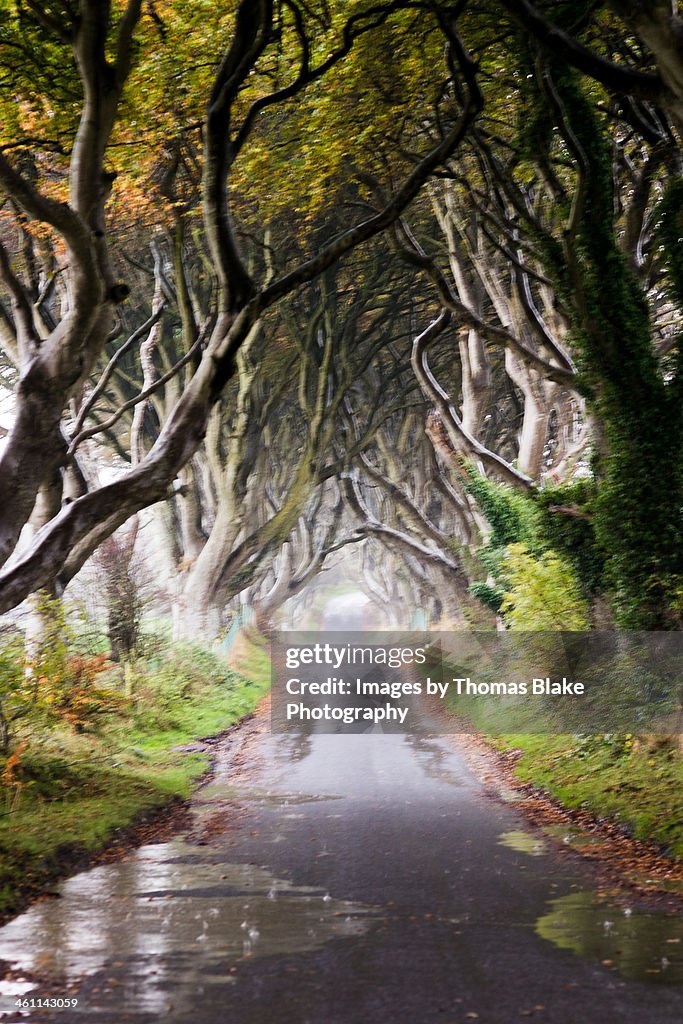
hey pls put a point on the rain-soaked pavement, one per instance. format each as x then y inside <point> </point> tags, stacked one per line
<point>337,879</point>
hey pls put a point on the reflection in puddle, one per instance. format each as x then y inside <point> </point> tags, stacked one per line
<point>573,836</point>
<point>641,946</point>
<point>219,792</point>
<point>522,842</point>
<point>433,759</point>
<point>157,914</point>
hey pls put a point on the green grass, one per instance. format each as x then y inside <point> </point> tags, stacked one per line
<point>76,790</point>
<point>635,781</point>
<point>251,657</point>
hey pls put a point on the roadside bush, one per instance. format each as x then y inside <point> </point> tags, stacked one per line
<point>540,568</point>
<point>179,673</point>
<point>15,695</point>
<point>65,686</point>
<point>541,593</point>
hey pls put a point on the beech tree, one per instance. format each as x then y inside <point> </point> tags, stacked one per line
<point>54,362</point>
<point>578,190</point>
<point>530,194</point>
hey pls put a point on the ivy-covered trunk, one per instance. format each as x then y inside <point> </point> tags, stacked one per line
<point>637,397</point>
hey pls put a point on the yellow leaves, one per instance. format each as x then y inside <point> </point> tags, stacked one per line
<point>541,593</point>
<point>348,123</point>
<point>365,117</point>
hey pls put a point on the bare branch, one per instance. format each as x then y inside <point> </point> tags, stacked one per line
<point>616,77</point>
<point>48,21</point>
<point>452,422</point>
<point>42,208</point>
<point>127,25</point>
<point>111,366</point>
<point>393,209</point>
<point>356,26</point>
<point>143,396</point>
<point>564,374</point>
<point>26,335</point>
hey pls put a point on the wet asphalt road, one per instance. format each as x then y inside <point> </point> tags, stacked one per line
<point>341,880</point>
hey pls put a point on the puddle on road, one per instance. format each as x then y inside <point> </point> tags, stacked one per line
<point>583,842</point>
<point>641,946</point>
<point>522,842</point>
<point>163,908</point>
<point>219,792</point>
<point>573,836</point>
<point>434,759</point>
<point>673,885</point>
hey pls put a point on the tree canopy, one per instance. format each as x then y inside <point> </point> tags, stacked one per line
<point>313,276</point>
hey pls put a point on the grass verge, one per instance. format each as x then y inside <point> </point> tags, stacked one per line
<point>71,793</point>
<point>636,781</point>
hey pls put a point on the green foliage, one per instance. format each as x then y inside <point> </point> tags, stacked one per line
<point>45,89</point>
<point>636,397</point>
<point>542,566</point>
<point>15,696</point>
<point>49,685</point>
<point>65,791</point>
<point>512,516</point>
<point>669,216</point>
<point>164,687</point>
<point>640,478</point>
<point>63,685</point>
<point>669,232</point>
<point>541,593</point>
<point>573,535</point>
<point>489,595</point>
<point>636,783</point>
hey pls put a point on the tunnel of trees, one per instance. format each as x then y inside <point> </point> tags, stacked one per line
<point>403,281</point>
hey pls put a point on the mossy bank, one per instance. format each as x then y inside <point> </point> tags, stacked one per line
<point>635,781</point>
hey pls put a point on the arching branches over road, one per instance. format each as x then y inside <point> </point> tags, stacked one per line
<point>326,200</point>
<point>53,368</point>
<point>560,254</point>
